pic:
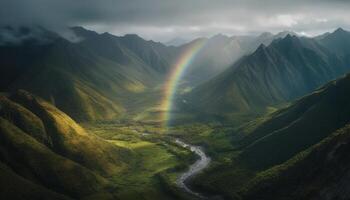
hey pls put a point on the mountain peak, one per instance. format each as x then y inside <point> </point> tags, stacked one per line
<point>82,32</point>
<point>289,41</point>
<point>340,31</point>
<point>178,41</point>
<point>132,35</point>
<point>288,36</point>
<point>339,34</point>
<point>283,34</point>
<point>261,47</point>
<point>261,50</point>
<point>265,35</point>
<point>219,37</point>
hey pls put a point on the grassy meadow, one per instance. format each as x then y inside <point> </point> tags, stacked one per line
<point>154,165</point>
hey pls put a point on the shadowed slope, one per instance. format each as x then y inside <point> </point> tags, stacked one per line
<point>320,172</point>
<point>19,188</point>
<point>91,80</point>
<point>286,69</point>
<point>299,126</point>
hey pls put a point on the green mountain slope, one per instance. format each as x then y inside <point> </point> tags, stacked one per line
<point>94,79</point>
<point>320,172</point>
<point>291,153</point>
<point>293,129</point>
<point>43,148</point>
<point>18,187</point>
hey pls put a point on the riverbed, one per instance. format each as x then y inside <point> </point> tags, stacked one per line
<point>194,169</point>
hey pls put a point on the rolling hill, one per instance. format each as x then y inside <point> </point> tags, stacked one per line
<point>45,151</point>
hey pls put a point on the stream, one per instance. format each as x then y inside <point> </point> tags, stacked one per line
<point>194,169</point>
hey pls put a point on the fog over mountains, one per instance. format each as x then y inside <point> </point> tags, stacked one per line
<point>80,115</point>
<point>175,100</point>
<point>288,68</point>
<point>110,73</point>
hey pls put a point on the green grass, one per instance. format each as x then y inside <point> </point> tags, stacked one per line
<point>154,164</point>
<point>215,138</point>
<point>318,168</point>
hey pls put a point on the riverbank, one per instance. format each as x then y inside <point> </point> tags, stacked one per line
<point>194,169</point>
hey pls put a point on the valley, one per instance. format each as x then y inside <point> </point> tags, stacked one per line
<point>200,164</point>
<point>163,164</point>
<point>224,117</point>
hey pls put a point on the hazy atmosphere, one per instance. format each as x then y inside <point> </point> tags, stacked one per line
<point>174,100</point>
<point>162,20</point>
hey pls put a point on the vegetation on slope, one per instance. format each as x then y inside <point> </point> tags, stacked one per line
<point>285,70</point>
<point>293,129</point>
<point>90,80</point>
<point>155,163</point>
<point>320,172</point>
<point>44,149</point>
<point>278,138</point>
<point>47,149</point>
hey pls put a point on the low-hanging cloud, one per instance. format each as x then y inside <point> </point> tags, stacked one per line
<point>165,19</point>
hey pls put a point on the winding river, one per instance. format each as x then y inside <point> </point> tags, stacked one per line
<point>194,169</point>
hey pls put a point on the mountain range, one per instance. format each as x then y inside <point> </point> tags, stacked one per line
<point>297,152</point>
<point>220,52</point>
<point>90,80</point>
<point>290,91</point>
<point>102,76</point>
<point>283,71</point>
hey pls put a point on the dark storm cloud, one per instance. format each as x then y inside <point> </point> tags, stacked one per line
<point>164,19</point>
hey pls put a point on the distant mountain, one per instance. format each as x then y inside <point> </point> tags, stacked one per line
<point>338,42</point>
<point>154,54</point>
<point>286,69</point>
<point>44,154</point>
<point>90,80</point>
<point>220,52</point>
<point>265,38</point>
<point>216,55</point>
<point>102,76</point>
<point>283,34</point>
<point>176,42</point>
<point>26,35</point>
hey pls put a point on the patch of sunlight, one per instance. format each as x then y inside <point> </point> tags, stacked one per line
<point>133,146</point>
<point>136,87</point>
<point>186,90</point>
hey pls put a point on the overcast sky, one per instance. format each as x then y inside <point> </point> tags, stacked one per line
<point>162,20</point>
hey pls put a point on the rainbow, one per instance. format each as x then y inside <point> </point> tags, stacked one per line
<point>178,69</point>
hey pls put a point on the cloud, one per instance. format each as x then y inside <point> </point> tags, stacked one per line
<point>166,19</point>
